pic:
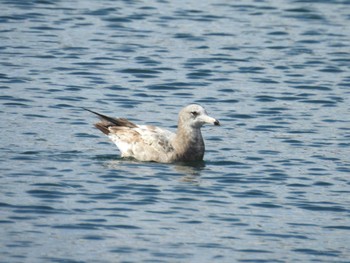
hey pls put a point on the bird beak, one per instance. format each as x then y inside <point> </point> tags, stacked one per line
<point>209,120</point>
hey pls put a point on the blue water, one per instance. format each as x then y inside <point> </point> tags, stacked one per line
<point>275,182</point>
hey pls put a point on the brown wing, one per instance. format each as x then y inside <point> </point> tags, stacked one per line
<point>108,122</point>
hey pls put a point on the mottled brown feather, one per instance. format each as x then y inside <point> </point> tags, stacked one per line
<point>124,123</point>
<point>112,121</point>
<point>103,127</point>
<point>150,143</point>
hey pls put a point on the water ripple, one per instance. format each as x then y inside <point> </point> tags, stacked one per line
<point>273,186</point>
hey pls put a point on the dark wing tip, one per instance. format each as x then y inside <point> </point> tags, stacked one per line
<point>98,114</point>
<point>114,121</point>
<point>103,127</point>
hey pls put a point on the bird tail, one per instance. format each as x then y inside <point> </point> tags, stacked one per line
<point>110,122</point>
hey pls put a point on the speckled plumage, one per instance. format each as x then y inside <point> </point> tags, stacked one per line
<point>150,143</point>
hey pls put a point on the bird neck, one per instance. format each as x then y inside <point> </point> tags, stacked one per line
<point>189,143</point>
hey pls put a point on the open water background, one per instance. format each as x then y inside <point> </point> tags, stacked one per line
<point>275,183</point>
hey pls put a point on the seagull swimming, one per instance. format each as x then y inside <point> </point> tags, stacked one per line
<point>151,143</point>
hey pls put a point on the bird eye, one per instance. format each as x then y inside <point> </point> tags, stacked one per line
<point>194,113</point>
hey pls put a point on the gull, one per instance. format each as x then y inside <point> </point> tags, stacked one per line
<point>155,144</point>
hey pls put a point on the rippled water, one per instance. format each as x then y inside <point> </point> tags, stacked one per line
<point>274,186</point>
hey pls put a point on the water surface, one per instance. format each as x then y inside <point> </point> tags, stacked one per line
<point>274,185</point>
